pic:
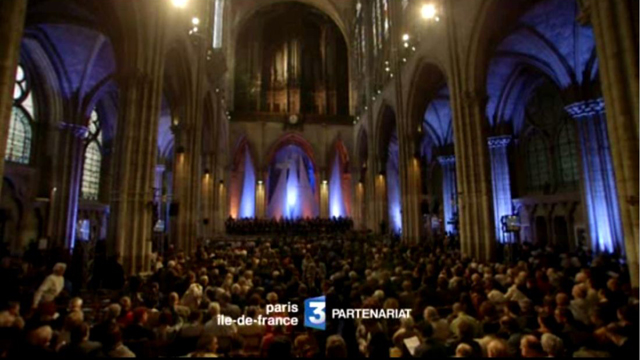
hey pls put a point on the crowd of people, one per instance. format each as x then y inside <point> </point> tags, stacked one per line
<point>299,227</point>
<point>546,304</point>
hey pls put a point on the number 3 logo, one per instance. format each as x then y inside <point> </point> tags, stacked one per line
<point>314,313</point>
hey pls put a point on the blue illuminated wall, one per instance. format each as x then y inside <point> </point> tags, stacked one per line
<point>394,194</point>
<point>292,185</point>
<point>336,197</point>
<point>248,198</point>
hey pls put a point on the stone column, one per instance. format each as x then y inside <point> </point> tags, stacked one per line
<point>501,179</point>
<point>473,172</point>
<point>68,175</point>
<point>181,166</point>
<point>615,24</point>
<point>12,17</point>
<point>598,185</point>
<point>141,58</point>
<point>449,190</point>
<point>261,194</point>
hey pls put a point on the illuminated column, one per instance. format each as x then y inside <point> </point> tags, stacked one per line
<point>381,201</point>
<point>498,149</point>
<point>206,205</point>
<point>449,190</point>
<point>68,181</point>
<point>141,68</point>
<point>12,13</point>
<point>359,207</point>
<point>260,198</point>
<point>599,186</point>
<point>324,199</point>
<point>615,25</point>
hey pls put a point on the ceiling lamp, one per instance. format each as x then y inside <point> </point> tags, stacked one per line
<point>428,11</point>
<point>180,3</point>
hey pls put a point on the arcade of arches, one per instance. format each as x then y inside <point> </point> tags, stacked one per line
<point>130,125</point>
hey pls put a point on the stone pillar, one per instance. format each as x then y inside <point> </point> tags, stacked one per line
<point>473,172</point>
<point>68,175</point>
<point>324,196</point>
<point>181,164</point>
<point>141,67</point>
<point>381,201</point>
<point>449,190</point>
<point>261,194</point>
<point>615,25</point>
<point>501,179</point>
<point>12,15</point>
<point>598,185</point>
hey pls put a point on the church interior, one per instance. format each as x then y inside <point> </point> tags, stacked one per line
<point>169,163</point>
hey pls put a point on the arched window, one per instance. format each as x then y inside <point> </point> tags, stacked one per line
<point>92,160</point>
<point>20,131</point>
<point>567,156</point>
<point>218,24</point>
<point>538,172</point>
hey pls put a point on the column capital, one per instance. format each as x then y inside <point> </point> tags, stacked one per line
<point>447,160</point>
<point>496,142</point>
<point>584,16</point>
<point>586,108</point>
<point>78,131</point>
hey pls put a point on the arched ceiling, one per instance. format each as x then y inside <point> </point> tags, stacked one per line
<point>340,11</point>
<point>547,42</point>
<point>438,119</point>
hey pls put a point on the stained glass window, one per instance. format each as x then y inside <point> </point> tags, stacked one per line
<point>20,131</point>
<point>538,170</point>
<point>92,161</point>
<point>568,155</point>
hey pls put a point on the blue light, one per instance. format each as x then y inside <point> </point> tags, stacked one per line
<point>501,181</point>
<point>335,191</point>
<point>248,200</point>
<point>393,190</point>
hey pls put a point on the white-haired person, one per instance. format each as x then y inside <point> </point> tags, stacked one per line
<point>51,287</point>
<point>552,345</point>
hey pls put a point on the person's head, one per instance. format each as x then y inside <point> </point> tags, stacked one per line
<point>113,338</point>
<point>125,303</point>
<point>562,300</point>
<point>407,323</point>
<point>40,337</point>
<point>530,347</point>
<point>208,344</point>
<point>59,269</point>
<point>552,345</point>
<point>465,329</point>
<point>174,298</point>
<point>75,304</point>
<point>195,317</point>
<point>579,291</point>
<point>14,308</point>
<point>80,333</point>
<point>73,320</point>
<point>214,309</point>
<point>509,325</point>
<point>272,298</point>
<point>563,316</point>
<point>546,321</point>
<point>464,351</point>
<point>140,316</point>
<point>336,347</point>
<point>497,349</point>
<point>113,311</point>
<point>431,314</point>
